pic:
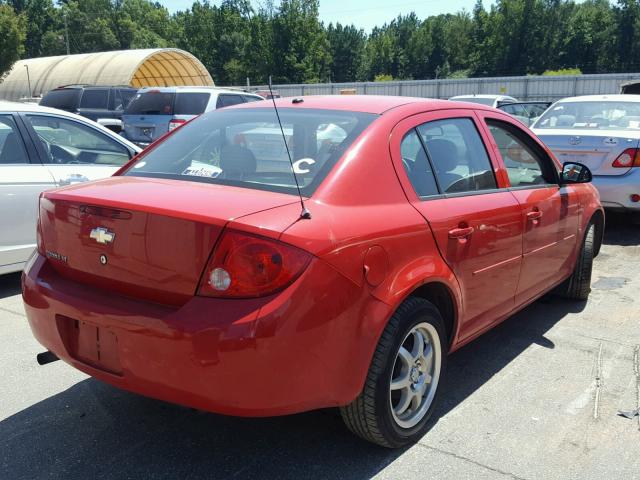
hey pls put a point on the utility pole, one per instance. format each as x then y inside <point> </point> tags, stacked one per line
<point>66,32</point>
<point>29,81</point>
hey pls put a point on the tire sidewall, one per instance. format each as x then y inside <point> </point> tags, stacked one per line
<point>422,312</point>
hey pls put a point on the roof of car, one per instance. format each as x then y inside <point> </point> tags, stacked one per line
<point>377,104</point>
<point>600,98</point>
<point>197,89</point>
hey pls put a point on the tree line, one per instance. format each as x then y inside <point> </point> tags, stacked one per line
<point>235,40</point>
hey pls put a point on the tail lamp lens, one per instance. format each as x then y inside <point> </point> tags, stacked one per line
<point>39,239</point>
<point>246,266</point>
<point>173,124</point>
<point>627,159</point>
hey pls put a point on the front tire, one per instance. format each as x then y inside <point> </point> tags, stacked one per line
<point>578,285</point>
<point>404,379</point>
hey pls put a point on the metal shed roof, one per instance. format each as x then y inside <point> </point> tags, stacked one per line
<point>138,68</point>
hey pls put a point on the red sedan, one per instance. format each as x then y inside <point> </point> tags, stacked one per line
<point>207,273</point>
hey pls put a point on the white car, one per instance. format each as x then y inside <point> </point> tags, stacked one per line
<point>603,133</point>
<point>40,149</point>
<point>494,101</point>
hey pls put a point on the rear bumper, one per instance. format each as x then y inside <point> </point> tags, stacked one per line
<point>302,349</point>
<point>615,191</point>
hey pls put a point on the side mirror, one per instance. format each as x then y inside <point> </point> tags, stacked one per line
<point>573,172</point>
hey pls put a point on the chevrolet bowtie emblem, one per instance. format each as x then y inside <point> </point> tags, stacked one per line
<point>102,235</point>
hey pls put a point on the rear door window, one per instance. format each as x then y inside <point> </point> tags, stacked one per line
<point>191,103</point>
<point>95,98</point>
<point>458,155</point>
<point>152,102</point>
<point>64,99</point>
<point>248,98</point>
<point>226,100</point>
<point>417,166</point>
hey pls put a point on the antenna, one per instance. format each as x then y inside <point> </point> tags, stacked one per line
<point>304,213</point>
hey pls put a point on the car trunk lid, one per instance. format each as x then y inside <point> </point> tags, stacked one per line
<point>595,149</point>
<point>141,237</point>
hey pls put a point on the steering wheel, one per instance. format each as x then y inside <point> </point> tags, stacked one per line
<point>407,165</point>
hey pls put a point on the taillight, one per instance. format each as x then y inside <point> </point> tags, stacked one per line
<point>175,123</point>
<point>39,240</point>
<point>627,159</point>
<point>245,266</point>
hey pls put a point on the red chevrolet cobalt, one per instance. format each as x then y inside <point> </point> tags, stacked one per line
<point>251,266</point>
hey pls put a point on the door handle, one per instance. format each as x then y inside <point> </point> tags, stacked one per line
<point>460,233</point>
<point>534,216</point>
<point>73,178</point>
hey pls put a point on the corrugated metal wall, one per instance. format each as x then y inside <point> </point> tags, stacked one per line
<point>523,88</point>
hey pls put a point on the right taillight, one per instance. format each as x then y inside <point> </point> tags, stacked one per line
<point>175,123</point>
<point>244,266</point>
<point>627,159</point>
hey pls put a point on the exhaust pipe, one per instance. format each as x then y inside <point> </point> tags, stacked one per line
<point>46,357</point>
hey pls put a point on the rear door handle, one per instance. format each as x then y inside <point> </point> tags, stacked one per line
<point>73,178</point>
<point>461,232</point>
<point>535,215</point>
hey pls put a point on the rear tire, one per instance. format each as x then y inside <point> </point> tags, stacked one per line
<point>404,379</point>
<point>578,285</point>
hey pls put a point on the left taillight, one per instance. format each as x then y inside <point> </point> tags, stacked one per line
<point>39,239</point>
<point>245,266</point>
<point>175,123</point>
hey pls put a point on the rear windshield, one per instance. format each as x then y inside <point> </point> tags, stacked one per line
<point>190,103</point>
<point>246,148</point>
<point>64,99</point>
<point>151,103</point>
<point>607,115</point>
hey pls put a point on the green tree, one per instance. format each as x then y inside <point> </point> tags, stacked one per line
<point>13,34</point>
<point>347,51</point>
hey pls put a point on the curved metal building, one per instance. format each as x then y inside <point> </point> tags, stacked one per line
<point>137,68</point>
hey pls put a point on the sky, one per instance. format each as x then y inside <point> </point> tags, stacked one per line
<point>365,14</point>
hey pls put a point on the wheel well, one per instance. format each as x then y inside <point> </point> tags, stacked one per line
<point>598,220</point>
<point>440,295</point>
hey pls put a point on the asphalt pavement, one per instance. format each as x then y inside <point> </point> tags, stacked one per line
<point>535,398</point>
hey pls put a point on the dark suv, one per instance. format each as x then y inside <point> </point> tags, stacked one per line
<point>99,103</point>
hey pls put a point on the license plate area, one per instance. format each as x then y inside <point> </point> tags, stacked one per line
<point>90,344</point>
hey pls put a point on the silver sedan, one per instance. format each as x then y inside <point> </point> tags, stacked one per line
<point>602,132</point>
<point>40,149</point>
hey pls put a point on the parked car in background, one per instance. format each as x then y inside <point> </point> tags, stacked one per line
<point>602,132</point>
<point>526,112</point>
<point>101,104</point>
<point>267,94</point>
<point>494,101</point>
<point>40,149</point>
<point>156,111</point>
<point>630,88</point>
<point>424,225</point>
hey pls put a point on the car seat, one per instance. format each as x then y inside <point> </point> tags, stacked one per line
<point>12,151</point>
<point>444,156</point>
<point>237,162</point>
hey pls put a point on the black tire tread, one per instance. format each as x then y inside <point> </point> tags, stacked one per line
<point>360,415</point>
<point>578,285</point>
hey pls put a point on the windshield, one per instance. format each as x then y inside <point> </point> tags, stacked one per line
<point>605,115</point>
<point>152,102</point>
<point>480,100</point>
<point>245,147</point>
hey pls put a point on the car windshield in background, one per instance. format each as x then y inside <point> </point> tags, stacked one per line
<point>64,98</point>
<point>592,115</point>
<point>151,103</point>
<point>480,100</point>
<point>245,148</point>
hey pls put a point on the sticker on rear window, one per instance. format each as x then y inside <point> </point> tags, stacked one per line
<point>202,170</point>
